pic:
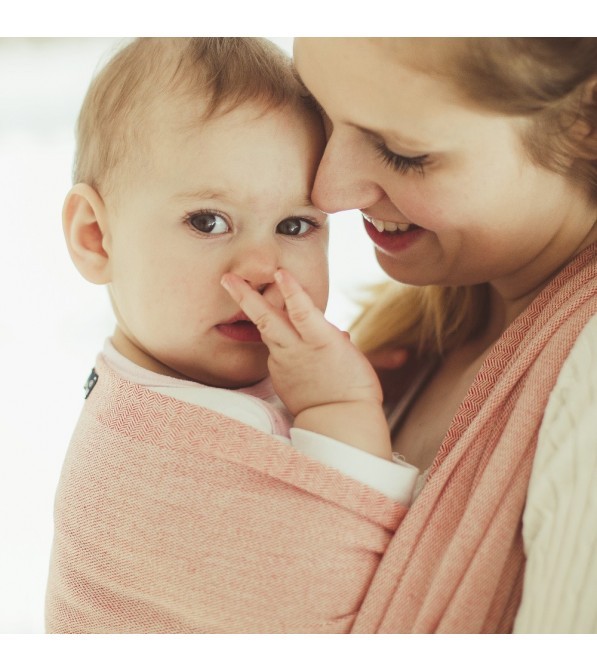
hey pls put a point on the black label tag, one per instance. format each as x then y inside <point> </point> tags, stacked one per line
<point>90,384</point>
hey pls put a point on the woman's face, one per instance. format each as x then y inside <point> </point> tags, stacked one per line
<point>447,192</point>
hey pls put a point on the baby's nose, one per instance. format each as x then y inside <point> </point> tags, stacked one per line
<point>257,266</point>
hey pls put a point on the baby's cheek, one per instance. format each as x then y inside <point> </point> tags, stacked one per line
<point>318,286</point>
<point>320,294</point>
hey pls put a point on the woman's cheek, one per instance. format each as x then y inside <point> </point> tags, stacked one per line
<point>440,204</point>
<point>428,210</point>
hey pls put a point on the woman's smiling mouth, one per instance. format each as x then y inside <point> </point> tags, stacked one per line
<point>392,237</point>
<point>382,225</point>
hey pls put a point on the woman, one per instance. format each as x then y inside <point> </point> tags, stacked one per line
<point>473,162</point>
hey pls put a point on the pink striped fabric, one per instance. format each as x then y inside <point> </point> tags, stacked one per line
<point>171,518</point>
<point>456,563</point>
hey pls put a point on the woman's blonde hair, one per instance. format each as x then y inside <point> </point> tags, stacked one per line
<point>424,319</point>
<point>215,73</point>
<point>553,82</point>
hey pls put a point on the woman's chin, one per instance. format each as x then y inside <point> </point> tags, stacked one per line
<point>398,270</point>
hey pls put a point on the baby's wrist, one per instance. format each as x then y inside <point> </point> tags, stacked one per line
<point>361,424</point>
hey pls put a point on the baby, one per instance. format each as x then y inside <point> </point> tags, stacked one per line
<point>194,167</point>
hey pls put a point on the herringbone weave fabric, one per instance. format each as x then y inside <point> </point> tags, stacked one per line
<point>456,563</point>
<point>171,518</point>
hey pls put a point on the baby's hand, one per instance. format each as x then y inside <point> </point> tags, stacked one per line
<point>325,381</point>
<point>312,362</point>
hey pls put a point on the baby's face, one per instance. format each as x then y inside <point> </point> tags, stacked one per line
<point>233,195</point>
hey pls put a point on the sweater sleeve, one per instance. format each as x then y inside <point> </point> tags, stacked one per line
<point>560,517</point>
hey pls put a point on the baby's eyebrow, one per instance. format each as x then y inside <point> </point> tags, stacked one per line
<point>215,194</point>
<point>204,194</point>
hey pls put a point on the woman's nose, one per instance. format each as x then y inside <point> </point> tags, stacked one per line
<point>343,181</point>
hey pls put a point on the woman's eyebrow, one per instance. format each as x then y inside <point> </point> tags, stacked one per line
<point>385,134</point>
<point>366,131</point>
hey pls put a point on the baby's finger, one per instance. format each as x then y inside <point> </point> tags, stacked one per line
<point>306,318</point>
<point>272,323</point>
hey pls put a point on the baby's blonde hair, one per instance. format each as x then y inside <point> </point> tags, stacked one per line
<point>543,79</point>
<point>214,73</point>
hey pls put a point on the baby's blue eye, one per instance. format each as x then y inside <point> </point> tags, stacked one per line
<point>208,222</point>
<point>294,226</point>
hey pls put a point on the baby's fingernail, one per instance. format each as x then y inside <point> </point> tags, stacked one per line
<point>278,276</point>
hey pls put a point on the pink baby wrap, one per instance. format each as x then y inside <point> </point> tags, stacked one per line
<point>456,563</point>
<point>172,518</point>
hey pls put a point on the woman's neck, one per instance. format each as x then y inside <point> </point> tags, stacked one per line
<point>505,308</point>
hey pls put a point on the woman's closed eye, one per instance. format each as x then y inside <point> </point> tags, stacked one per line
<point>296,226</point>
<point>400,163</point>
<point>208,222</point>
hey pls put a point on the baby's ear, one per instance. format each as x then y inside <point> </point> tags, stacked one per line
<point>86,230</point>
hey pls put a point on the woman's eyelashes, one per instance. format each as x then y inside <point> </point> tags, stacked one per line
<point>402,164</point>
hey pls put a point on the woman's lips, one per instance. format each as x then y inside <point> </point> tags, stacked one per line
<point>393,241</point>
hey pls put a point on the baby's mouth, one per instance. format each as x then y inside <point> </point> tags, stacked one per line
<point>390,227</point>
<point>240,328</point>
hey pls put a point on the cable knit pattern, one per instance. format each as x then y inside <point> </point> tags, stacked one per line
<point>560,519</point>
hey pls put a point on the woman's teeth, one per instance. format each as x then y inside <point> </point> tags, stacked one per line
<point>382,225</point>
<point>391,226</point>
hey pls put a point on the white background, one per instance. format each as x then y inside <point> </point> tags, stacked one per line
<point>52,322</point>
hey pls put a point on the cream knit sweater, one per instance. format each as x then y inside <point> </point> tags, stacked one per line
<point>560,517</point>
